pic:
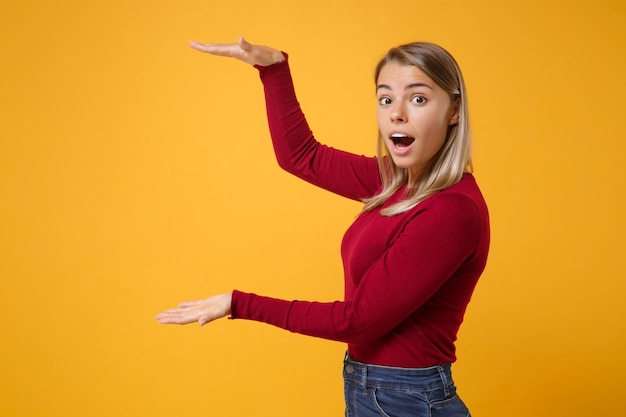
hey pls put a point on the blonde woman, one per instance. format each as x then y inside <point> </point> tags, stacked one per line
<point>414,254</point>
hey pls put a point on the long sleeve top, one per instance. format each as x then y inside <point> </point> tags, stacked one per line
<point>408,277</point>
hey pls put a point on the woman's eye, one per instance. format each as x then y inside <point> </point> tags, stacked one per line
<point>384,101</point>
<point>418,100</point>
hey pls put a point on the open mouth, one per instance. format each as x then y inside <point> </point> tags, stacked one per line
<point>401,141</point>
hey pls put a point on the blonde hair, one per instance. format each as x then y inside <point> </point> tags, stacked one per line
<point>453,159</point>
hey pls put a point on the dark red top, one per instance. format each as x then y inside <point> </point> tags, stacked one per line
<point>408,278</point>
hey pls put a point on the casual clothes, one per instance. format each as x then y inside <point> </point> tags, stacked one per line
<point>408,277</point>
<point>375,391</point>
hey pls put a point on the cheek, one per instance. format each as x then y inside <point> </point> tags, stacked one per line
<point>434,125</point>
<point>440,120</point>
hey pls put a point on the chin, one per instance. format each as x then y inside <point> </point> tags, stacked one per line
<point>403,163</point>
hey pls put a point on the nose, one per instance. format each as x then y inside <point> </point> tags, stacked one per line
<point>398,113</point>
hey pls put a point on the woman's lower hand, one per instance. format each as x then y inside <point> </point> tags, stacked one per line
<point>243,51</point>
<point>202,311</point>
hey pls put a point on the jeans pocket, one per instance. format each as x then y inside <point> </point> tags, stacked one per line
<point>399,403</point>
<point>449,407</point>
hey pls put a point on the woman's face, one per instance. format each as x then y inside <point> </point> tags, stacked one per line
<point>414,115</point>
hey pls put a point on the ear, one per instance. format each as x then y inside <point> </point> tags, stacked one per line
<point>456,112</point>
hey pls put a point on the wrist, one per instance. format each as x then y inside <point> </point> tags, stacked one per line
<point>277,57</point>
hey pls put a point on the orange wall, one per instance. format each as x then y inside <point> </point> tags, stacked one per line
<point>136,173</point>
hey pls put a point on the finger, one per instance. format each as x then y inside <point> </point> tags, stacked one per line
<point>175,313</point>
<point>173,317</point>
<point>244,44</point>
<point>220,49</point>
<point>189,303</point>
<point>165,316</point>
<point>164,320</point>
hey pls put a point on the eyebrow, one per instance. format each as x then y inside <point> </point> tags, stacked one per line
<point>408,87</point>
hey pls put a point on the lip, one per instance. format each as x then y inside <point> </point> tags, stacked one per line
<point>400,147</point>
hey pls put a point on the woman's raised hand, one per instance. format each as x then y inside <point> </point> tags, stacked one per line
<point>243,51</point>
<point>203,311</point>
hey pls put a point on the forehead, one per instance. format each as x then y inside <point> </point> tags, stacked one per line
<point>395,74</point>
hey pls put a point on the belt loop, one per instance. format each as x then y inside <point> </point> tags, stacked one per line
<point>364,378</point>
<point>444,379</point>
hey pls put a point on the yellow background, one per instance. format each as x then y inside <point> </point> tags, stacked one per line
<point>136,173</point>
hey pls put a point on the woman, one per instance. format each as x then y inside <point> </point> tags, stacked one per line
<point>411,258</point>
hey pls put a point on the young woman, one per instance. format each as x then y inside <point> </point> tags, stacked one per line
<point>411,258</point>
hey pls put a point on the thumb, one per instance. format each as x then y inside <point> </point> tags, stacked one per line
<point>244,44</point>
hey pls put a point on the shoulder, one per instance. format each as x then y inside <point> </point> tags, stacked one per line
<point>461,205</point>
<point>464,193</point>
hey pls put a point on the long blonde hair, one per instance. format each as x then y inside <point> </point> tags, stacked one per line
<point>453,159</point>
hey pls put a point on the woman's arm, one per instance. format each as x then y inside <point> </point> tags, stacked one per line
<point>428,253</point>
<point>299,153</point>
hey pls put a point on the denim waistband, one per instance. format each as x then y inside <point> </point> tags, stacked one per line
<point>419,379</point>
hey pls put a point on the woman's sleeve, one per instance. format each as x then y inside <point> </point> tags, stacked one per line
<point>433,245</point>
<point>297,150</point>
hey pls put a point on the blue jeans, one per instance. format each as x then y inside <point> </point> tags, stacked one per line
<point>375,391</point>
